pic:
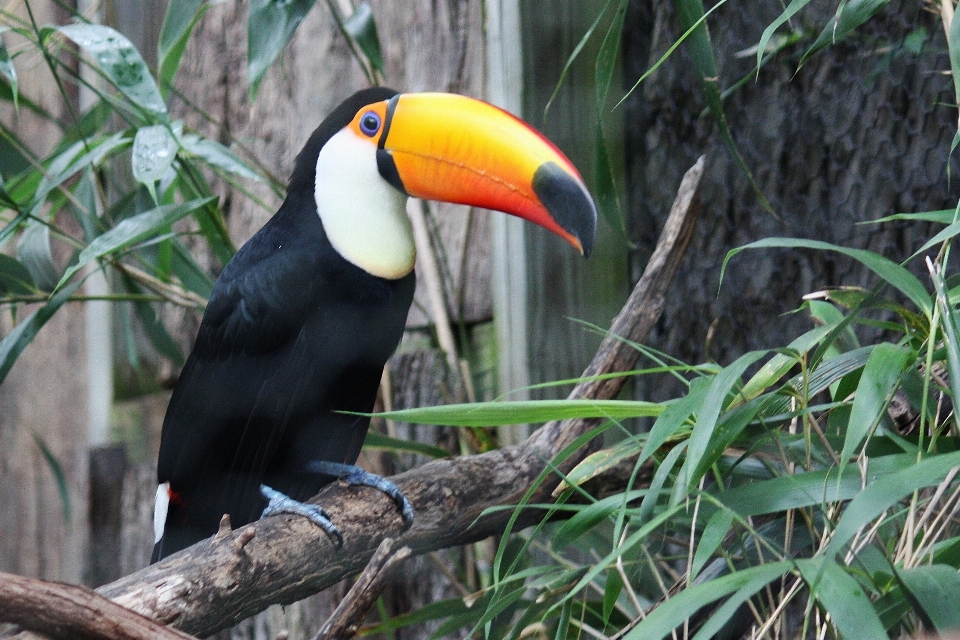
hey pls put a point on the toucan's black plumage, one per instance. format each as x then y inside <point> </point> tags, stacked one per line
<point>293,334</point>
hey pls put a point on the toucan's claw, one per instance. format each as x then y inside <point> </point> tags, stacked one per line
<point>281,503</point>
<point>356,476</point>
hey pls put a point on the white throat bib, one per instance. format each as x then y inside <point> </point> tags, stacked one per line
<point>365,218</point>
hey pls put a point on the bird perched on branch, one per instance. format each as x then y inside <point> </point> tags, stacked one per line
<point>303,318</point>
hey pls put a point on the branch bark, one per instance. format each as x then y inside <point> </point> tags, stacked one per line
<point>282,559</point>
<point>61,610</point>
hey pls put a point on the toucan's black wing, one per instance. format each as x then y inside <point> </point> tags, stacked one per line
<point>292,335</point>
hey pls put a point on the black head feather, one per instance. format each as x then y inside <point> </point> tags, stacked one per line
<point>304,173</point>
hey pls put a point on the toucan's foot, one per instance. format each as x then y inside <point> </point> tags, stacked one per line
<point>357,476</point>
<point>282,503</point>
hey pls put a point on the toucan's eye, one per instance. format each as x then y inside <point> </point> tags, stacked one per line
<point>370,123</point>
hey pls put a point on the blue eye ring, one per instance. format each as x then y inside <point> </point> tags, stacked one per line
<point>370,123</point>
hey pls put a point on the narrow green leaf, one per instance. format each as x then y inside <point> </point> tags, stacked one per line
<point>217,155</point>
<point>8,71</point>
<point>840,595</point>
<point>850,15</point>
<point>710,540</point>
<point>877,383</point>
<point>671,613</point>
<point>132,230</point>
<point>891,272</point>
<point>270,25</point>
<point>15,278</point>
<point>157,334</point>
<point>363,29</point>
<point>13,344</point>
<point>929,585</point>
<point>943,216</point>
<point>674,417</point>
<point>599,461</point>
<point>611,591</point>
<point>707,414</point>
<point>589,516</point>
<point>951,332</point>
<point>573,56</point>
<point>154,150</point>
<point>34,251</point>
<point>181,17</point>
<point>376,440</point>
<point>59,477</point>
<point>789,12</point>
<point>884,492</point>
<point>945,234</point>
<point>490,414</point>
<point>120,62</point>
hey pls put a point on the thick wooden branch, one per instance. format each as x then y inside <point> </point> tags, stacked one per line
<point>70,612</point>
<point>282,559</point>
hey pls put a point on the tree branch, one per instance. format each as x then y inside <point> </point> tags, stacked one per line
<point>67,611</point>
<point>282,559</point>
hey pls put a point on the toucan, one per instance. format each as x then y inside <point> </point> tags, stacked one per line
<point>303,318</point>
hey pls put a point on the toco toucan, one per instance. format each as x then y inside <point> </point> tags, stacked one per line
<point>303,318</point>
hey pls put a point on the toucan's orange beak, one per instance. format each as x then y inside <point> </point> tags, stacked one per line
<point>447,147</point>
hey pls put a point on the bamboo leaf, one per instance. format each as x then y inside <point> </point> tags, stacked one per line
<point>384,442</point>
<point>34,252</point>
<point>178,23</point>
<point>121,63</point>
<point>711,539</point>
<point>877,383</point>
<point>843,598</point>
<point>363,29</point>
<point>489,414</point>
<point>892,273</point>
<point>13,344</point>
<point>132,230</point>
<point>154,150</point>
<point>789,12</point>
<point>270,25</point>
<point>671,613</point>
<point>15,278</point>
<point>928,585</point>
<point>8,71</point>
<point>59,477</point>
<point>850,15</point>
<point>217,155</point>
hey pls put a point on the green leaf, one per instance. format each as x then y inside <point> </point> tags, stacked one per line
<point>489,414</point>
<point>877,383</point>
<point>669,614</point>
<point>21,335</point>
<point>929,585</point>
<point>840,595</point>
<point>710,540</point>
<point>132,230</point>
<point>34,251</point>
<point>376,440</point>
<point>181,17</point>
<point>8,71</point>
<point>59,477</point>
<point>121,63</point>
<point>892,273</point>
<point>599,461</point>
<point>589,516</point>
<point>943,216</point>
<point>363,29</point>
<point>217,155</point>
<point>707,414</point>
<point>881,494</point>
<point>951,332</point>
<point>789,12</point>
<point>15,278</point>
<point>270,25</point>
<point>154,150</point>
<point>850,15</point>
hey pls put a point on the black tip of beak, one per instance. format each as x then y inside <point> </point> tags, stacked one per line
<point>568,202</point>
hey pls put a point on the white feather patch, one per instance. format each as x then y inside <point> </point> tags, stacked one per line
<point>160,507</point>
<point>364,217</point>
